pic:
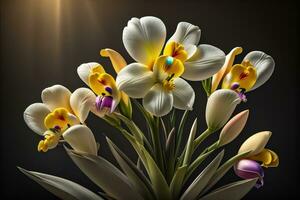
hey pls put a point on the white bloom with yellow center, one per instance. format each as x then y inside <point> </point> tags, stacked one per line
<point>61,115</point>
<point>155,77</point>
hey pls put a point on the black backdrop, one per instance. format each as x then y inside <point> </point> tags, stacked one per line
<point>43,42</point>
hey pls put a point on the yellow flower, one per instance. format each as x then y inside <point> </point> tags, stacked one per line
<point>256,146</point>
<point>59,111</point>
<point>255,69</point>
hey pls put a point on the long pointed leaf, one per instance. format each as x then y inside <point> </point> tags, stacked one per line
<point>61,187</point>
<point>176,183</point>
<point>233,191</point>
<point>140,182</point>
<point>223,170</point>
<point>158,181</point>
<point>189,144</point>
<point>202,179</point>
<point>109,178</point>
<point>196,163</point>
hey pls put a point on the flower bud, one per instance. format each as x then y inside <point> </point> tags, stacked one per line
<point>248,169</point>
<point>256,143</point>
<point>233,128</point>
<point>220,106</point>
<point>81,139</point>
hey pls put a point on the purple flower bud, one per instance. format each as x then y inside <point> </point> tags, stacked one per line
<point>248,169</point>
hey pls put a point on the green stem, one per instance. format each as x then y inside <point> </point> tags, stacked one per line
<point>157,144</point>
<point>201,138</point>
<point>214,146</point>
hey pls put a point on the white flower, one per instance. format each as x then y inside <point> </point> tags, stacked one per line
<point>61,113</point>
<point>155,77</point>
<point>220,106</point>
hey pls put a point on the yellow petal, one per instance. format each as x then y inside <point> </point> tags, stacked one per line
<point>244,74</point>
<point>60,118</point>
<point>226,67</point>
<point>118,62</point>
<point>175,50</point>
<point>267,157</point>
<point>174,69</point>
<point>99,83</point>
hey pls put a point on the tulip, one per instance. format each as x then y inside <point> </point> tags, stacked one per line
<point>60,111</point>
<point>248,169</point>
<point>233,128</point>
<point>220,106</point>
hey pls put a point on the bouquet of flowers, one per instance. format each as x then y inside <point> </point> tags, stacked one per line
<point>166,160</point>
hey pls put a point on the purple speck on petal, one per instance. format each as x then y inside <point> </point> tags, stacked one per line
<point>235,86</point>
<point>108,89</point>
<point>57,127</point>
<point>248,169</point>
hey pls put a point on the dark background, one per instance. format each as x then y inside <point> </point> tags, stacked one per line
<point>43,42</point>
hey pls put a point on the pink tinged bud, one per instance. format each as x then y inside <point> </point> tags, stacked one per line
<point>248,169</point>
<point>233,128</point>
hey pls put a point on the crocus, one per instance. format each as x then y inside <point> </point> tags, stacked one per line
<point>60,116</point>
<point>155,77</point>
<point>233,128</point>
<point>255,69</point>
<point>220,106</point>
<point>258,157</point>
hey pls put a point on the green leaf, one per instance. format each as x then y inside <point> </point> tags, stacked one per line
<point>158,181</point>
<point>109,178</point>
<point>180,132</point>
<point>140,182</point>
<point>61,187</point>
<point>138,134</point>
<point>232,191</point>
<point>189,145</point>
<point>196,163</point>
<point>176,183</point>
<point>224,169</point>
<point>202,179</point>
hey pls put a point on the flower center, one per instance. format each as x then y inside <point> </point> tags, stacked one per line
<point>241,77</point>
<point>60,119</point>
<point>175,50</point>
<point>51,140</point>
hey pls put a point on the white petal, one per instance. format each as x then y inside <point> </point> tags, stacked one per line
<point>264,65</point>
<point>205,63</point>
<point>135,80</point>
<point>186,34</point>
<point>191,50</point>
<point>34,116</point>
<point>56,96</point>
<point>81,139</point>
<point>158,101</point>
<point>220,106</point>
<point>183,94</point>
<point>81,101</point>
<point>84,71</point>
<point>144,38</point>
